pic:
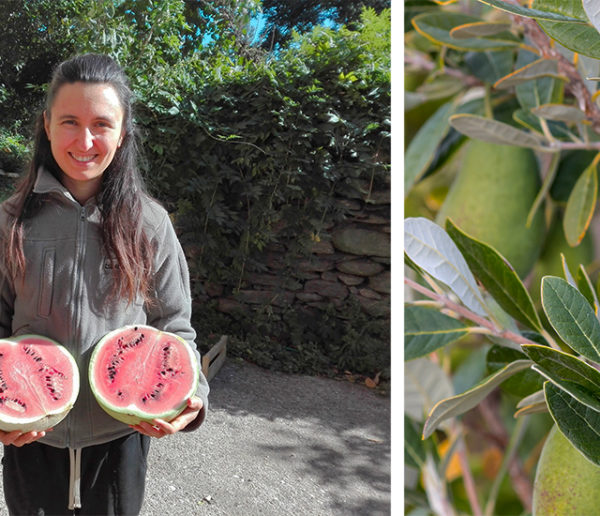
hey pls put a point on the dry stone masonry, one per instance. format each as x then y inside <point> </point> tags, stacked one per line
<point>349,261</point>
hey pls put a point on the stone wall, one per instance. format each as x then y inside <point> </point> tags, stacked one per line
<point>350,260</point>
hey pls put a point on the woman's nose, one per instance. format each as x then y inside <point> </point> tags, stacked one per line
<point>85,139</point>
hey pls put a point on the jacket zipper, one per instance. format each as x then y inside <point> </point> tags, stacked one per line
<point>76,297</point>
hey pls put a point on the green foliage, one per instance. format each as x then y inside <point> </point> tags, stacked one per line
<point>284,17</point>
<point>523,81</point>
<point>249,150</point>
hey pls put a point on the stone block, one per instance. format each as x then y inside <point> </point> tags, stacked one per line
<point>348,204</point>
<point>272,280</point>
<point>228,305</point>
<point>350,279</point>
<point>323,247</point>
<point>375,308</point>
<point>362,242</point>
<point>369,293</point>
<point>306,275</point>
<point>379,197</point>
<point>308,297</point>
<point>315,264</point>
<point>328,289</point>
<point>329,276</point>
<point>265,297</point>
<point>360,267</point>
<point>381,282</point>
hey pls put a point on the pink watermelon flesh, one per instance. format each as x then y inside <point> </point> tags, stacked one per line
<point>39,383</point>
<point>139,373</point>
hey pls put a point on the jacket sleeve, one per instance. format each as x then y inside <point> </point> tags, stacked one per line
<point>172,307</point>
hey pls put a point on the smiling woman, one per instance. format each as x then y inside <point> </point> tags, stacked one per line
<point>85,250</point>
<point>85,128</point>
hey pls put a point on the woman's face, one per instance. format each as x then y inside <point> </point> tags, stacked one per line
<point>85,129</point>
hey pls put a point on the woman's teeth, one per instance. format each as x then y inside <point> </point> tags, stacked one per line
<point>84,159</point>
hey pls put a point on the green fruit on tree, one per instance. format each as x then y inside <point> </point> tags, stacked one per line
<point>566,483</point>
<point>490,200</point>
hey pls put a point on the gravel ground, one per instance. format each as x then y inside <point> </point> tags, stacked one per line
<point>276,444</point>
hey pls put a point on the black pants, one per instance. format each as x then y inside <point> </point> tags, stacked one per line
<point>36,478</point>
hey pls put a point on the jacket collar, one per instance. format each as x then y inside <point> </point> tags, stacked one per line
<point>46,183</point>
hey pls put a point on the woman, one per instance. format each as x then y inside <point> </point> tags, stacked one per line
<point>86,251</point>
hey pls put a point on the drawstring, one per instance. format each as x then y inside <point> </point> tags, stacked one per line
<point>75,478</point>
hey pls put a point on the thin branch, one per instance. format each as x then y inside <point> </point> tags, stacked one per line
<point>575,83</point>
<point>468,480</point>
<point>465,312</point>
<point>509,456</point>
<point>521,482</point>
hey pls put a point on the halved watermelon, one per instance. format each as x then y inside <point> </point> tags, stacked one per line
<point>39,383</point>
<point>138,373</point>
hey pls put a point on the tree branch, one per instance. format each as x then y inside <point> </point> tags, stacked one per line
<point>468,314</point>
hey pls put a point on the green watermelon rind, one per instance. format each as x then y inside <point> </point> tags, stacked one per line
<point>8,424</point>
<point>131,415</point>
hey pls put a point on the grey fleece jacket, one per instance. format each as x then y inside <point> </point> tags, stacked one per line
<point>64,296</point>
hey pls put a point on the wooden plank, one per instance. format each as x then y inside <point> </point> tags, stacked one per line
<point>215,358</point>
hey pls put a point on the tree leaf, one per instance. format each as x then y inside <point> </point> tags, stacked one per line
<point>527,119</point>
<point>578,37</point>
<point>529,72</point>
<point>489,65</point>
<point>585,286</point>
<point>430,247</point>
<point>528,13</point>
<point>559,112</point>
<point>571,166</point>
<point>548,175</point>
<point>427,329</point>
<point>581,205</point>
<point>493,131</point>
<point>533,404</point>
<point>436,27</point>
<point>522,383</point>
<point>424,385</point>
<point>571,316</point>
<point>572,8</point>
<point>414,450</point>
<point>567,273</point>
<point>478,29</point>
<point>497,276</point>
<point>568,372</point>
<point>422,147</point>
<point>541,90</point>
<point>578,423</point>
<point>461,403</point>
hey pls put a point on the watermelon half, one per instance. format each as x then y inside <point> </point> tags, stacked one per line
<point>39,383</point>
<point>138,373</point>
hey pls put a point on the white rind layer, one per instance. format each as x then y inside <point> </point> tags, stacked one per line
<point>132,415</point>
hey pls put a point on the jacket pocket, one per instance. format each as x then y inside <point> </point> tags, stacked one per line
<point>46,282</point>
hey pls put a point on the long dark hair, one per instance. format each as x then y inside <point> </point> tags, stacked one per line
<point>122,186</point>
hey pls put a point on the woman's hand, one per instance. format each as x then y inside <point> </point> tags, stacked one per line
<point>18,438</point>
<point>160,428</point>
